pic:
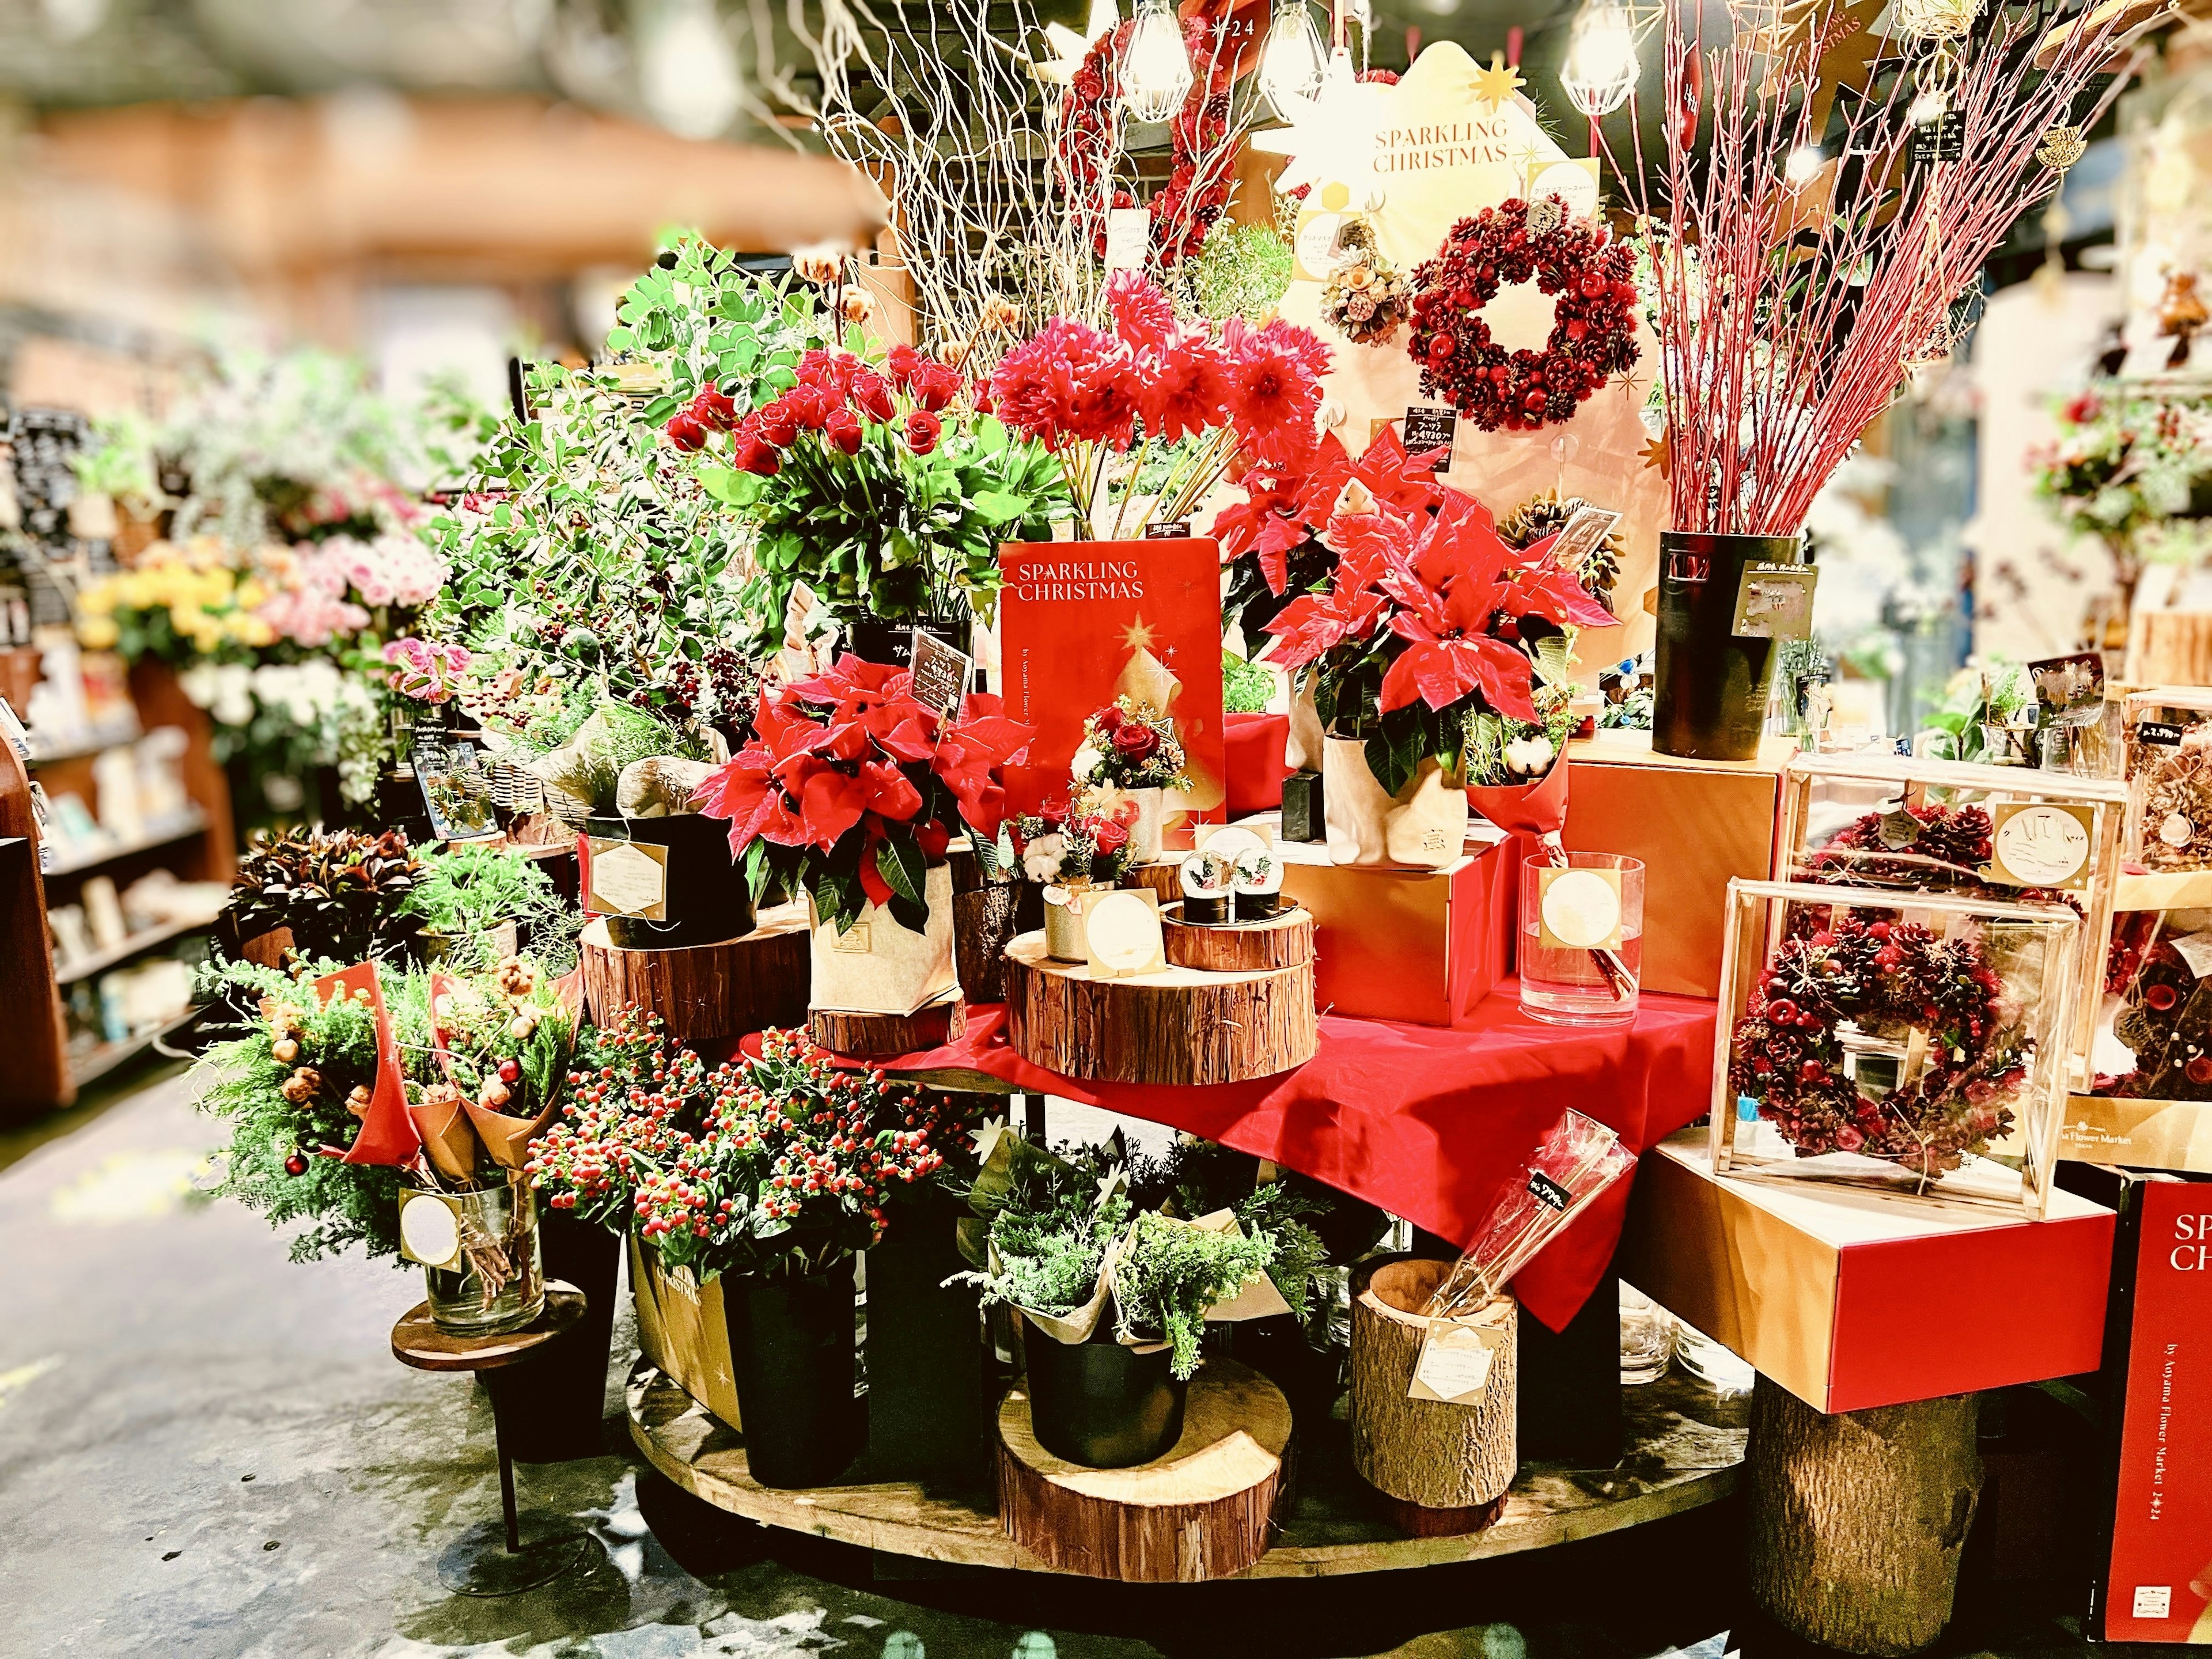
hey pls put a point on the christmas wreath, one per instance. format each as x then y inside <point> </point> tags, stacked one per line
<point>1593,336</point>
<point>1931,848</point>
<point>1184,209</point>
<point>1894,983</point>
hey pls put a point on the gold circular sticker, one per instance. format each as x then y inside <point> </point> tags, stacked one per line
<point>430,1230</point>
<point>1581,909</point>
<point>1119,931</point>
<point>2176,830</point>
<point>2043,845</point>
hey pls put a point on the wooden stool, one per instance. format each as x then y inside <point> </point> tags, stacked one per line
<point>471,1565</point>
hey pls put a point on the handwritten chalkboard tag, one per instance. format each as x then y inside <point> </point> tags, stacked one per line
<point>940,674</point>
<point>1428,434</point>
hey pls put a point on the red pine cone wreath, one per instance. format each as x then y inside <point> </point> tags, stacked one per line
<point>1593,336</point>
<point>1185,208</point>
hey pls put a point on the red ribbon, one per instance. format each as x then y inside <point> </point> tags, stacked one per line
<point>387,1135</point>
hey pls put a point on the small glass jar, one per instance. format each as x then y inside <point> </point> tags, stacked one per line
<point>1580,951</point>
<point>497,1281</point>
<point>1647,1337</point>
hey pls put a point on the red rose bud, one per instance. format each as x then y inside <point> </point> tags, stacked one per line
<point>1109,837</point>
<point>748,453</point>
<point>1135,742</point>
<point>715,409</point>
<point>1110,718</point>
<point>778,424</point>
<point>921,431</point>
<point>686,434</point>
<point>872,393</point>
<point>901,364</point>
<point>843,429</point>
<point>935,385</point>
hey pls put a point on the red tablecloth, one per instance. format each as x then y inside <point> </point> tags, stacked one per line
<point>1426,1122</point>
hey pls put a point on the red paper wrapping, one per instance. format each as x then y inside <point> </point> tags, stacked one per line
<point>1537,809</point>
<point>1254,746</point>
<point>387,1132</point>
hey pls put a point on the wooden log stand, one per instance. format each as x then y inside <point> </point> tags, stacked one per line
<point>1202,1511</point>
<point>861,1034</point>
<point>1239,947</point>
<point>1177,1026</point>
<point>1857,1519</point>
<point>1163,876</point>
<point>703,991</point>
<point>1452,1462</point>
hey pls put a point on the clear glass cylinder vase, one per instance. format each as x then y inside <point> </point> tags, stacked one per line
<point>497,1283</point>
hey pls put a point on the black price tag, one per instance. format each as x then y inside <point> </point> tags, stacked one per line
<point>940,674</point>
<point>1174,530</point>
<point>2159,732</point>
<point>1428,431</point>
<point>1545,1190</point>
<point>1944,139</point>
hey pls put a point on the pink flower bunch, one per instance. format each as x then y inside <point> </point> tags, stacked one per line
<point>840,404</point>
<point>424,670</point>
<point>311,608</point>
<point>393,569</point>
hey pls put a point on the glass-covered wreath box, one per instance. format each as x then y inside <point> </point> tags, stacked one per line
<point>2007,834</point>
<point>1893,1041</point>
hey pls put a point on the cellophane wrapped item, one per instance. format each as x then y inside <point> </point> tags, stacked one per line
<point>1914,1042</point>
<point>2009,835</point>
<point>1578,1159</point>
<point>2169,740</point>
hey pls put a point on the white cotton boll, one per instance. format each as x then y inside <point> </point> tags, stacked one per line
<point>1041,860</point>
<point>1087,762</point>
<point>1529,756</point>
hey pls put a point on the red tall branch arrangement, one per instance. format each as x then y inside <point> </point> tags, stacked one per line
<point>1795,294</point>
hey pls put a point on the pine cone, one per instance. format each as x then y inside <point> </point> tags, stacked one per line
<point>1545,514</point>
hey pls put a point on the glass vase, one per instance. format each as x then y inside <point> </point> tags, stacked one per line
<point>498,1281</point>
<point>1647,1337</point>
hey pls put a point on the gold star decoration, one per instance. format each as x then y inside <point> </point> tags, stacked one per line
<point>1494,85</point>
<point>1137,636</point>
<point>1657,454</point>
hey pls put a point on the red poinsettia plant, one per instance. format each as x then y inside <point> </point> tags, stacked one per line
<point>852,789</point>
<point>1429,618</point>
<point>1158,389</point>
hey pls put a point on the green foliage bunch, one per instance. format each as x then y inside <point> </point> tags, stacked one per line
<point>1245,686</point>
<point>1169,1274</point>
<point>467,889</point>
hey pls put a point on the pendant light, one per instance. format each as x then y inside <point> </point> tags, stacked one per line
<point>1292,65</point>
<point>1601,67</point>
<point>1155,75</point>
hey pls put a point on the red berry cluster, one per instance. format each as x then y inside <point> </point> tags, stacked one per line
<point>1886,979</point>
<point>1593,335</point>
<point>625,1115</point>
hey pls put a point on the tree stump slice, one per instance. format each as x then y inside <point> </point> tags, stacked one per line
<point>985,920</point>
<point>861,1034</point>
<point>1427,1452</point>
<point>1176,1026</point>
<point>1203,1511</point>
<point>1239,947</point>
<point>699,991</point>
<point>1416,1521</point>
<point>1856,1519</point>
<point>1163,876</point>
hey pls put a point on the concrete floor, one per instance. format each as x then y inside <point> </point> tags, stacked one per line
<point>206,1451</point>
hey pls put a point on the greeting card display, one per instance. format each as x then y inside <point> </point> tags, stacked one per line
<point>1135,626</point>
<point>1893,1039</point>
<point>2004,834</point>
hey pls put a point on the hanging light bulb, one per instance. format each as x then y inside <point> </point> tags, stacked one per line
<point>687,69</point>
<point>1600,67</point>
<point>1292,65</point>
<point>1155,71</point>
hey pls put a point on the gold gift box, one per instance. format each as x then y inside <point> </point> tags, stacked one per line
<point>1695,823</point>
<point>682,1329</point>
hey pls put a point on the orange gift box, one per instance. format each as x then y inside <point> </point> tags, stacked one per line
<point>1850,1298</point>
<point>1694,823</point>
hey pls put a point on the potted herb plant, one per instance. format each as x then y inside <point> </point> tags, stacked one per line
<point>852,790</point>
<point>476,904</point>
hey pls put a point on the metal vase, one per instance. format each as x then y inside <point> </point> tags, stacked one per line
<point>1710,701</point>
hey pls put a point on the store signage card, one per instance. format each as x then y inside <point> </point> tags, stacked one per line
<point>1083,622</point>
<point>1429,433</point>
<point>2040,843</point>
<point>1122,933</point>
<point>1775,602</point>
<point>1453,1367</point>
<point>625,878</point>
<point>941,673</point>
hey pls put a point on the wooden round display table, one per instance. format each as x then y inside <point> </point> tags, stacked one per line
<point>1201,1511</point>
<point>1681,1446</point>
<point>518,1552</point>
<point>1238,947</point>
<point>701,991</point>
<point>1180,1025</point>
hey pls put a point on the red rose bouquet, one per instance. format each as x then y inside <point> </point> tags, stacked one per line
<point>1073,845</point>
<point>1130,746</point>
<point>1429,618</point>
<point>884,488</point>
<point>852,788</point>
<point>1157,389</point>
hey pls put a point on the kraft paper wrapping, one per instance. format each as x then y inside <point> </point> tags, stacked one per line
<point>447,1136</point>
<point>1259,1298</point>
<point>507,1138</point>
<point>877,966</point>
<point>681,1328</point>
<point>1422,827</point>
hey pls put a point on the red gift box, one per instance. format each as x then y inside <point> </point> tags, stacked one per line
<point>1255,745</point>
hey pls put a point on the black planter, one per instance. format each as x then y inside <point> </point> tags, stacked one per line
<point>791,1346</point>
<point>1277,1348</point>
<point>1711,685</point>
<point>707,898</point>
<point>872,639</point>
<point>561,1415</point>
<point>1101,1403</point>
<point>931,1376</point>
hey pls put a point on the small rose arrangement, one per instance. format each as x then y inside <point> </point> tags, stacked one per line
<point>852,788</point>
<point>1130,746</point>
<point>425,671</point>
<point>1077,845</point>
<point>1155,385</point>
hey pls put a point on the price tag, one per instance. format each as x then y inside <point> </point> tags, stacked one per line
<point>1545,1190</point>
<point>1578,909</point>
<point>2040,844</point>
<point>1944,139</point>
<point>1173,530</point>
<point>1429,430</point>
<point>1453,1367</point>
<point>2160,734</point>
<point>1775,602</point>
<point>2196,950</point>
<point>627,878</point>
<point>1581,535</point>
<point>940,674</point>
<point>1122,933</point>
<point>429,1228</point>
<point>1128,237</point>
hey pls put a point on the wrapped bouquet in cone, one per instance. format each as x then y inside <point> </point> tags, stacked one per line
<point>851,789</point>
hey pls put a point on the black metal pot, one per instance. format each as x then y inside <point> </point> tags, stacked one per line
<point>1711,695</point>
<point>932,1384</point>
<point>1101,1403</point>
<point>707,898</point>
<point>873,640</point>
<point>792,1347</point>
<point>561,1415</point>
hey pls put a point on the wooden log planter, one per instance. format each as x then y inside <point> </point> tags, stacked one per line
<point>702,991</point>
<point>1239,947</point>
<point>1204,1510</point>
<point>1856,1519</point>
<point>861,1034</point>
<point>1443,1467</point>
<point>1176,1026</point>
<point>1163,876</point>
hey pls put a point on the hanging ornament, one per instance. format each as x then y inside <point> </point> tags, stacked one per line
<point>1600,67</point>
<point>1292,65</point>
<point>2062,147</point>
<point>2181,313</point>
<point>1366,298</point>
<point>1155,68</point>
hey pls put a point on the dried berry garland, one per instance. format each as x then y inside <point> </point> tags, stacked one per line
<point>2174,782</point>
<point>1593,335</point>
<point>1202,170</point>
<point>2166,1023</point>
<point>1888,981</point>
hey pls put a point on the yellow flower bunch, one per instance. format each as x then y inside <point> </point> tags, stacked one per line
<point>211,603</point>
